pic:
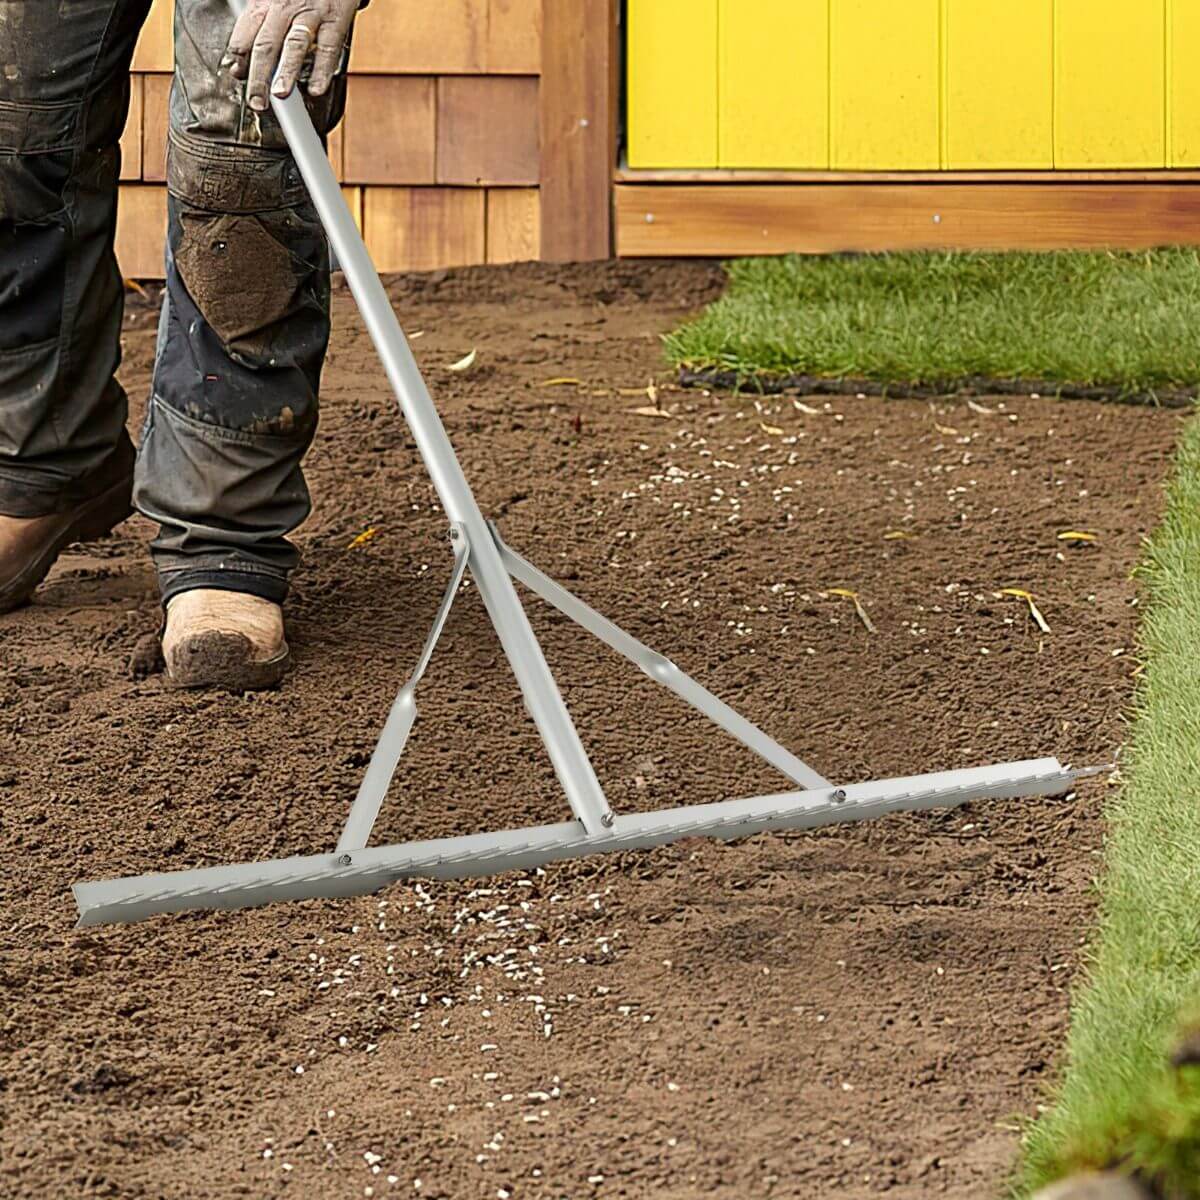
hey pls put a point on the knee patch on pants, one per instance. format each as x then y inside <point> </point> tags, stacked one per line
<point>36,159</point>
<point>245,242</point>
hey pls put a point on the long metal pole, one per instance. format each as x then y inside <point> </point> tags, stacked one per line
<point>542,698</point>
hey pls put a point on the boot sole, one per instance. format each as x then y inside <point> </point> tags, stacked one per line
<point>94,520</point>
<point>223,661</point>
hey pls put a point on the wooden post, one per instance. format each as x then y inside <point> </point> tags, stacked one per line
<point>578,103</point>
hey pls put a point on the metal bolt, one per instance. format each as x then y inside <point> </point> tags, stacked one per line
<point>839,795</point>
<point>344,860</point>
<point>607,820</point>
<point>454,535</point>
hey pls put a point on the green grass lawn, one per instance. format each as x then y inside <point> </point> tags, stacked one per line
<point>1125,321</point>
<point>1120,1102</point>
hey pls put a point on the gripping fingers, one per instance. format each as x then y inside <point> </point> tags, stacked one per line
<point>264,57</point>
<point>331,41</point>
<point>241,41</point>
<point>296,46</point>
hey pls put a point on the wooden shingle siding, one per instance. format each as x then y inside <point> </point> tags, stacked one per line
<point>421,229</point>
<point>131,139</point>
<point>440,149</point>
<point>390,131</point>
<point>514,225</point>
<point>445,37</point>
<point>487,130</point>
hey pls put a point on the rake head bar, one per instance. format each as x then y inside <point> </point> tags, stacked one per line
<point>353,869</point>
<point>326,875</point>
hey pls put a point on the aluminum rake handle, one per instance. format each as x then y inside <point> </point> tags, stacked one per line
<point>542,698</point>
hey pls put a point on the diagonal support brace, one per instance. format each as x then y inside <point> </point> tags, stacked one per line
<point>660,668</point>
<point>364,812</point>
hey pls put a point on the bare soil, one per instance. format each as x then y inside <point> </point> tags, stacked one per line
<point>868,1010</point>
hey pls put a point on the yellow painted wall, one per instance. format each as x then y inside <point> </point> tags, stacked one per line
<point>774,57</point>
<point>672,83</point>
<point>998,84</point>
<point>884,84</point>
<point>1183,83</point>
<point>862,85</point>
<point>1109,83</point>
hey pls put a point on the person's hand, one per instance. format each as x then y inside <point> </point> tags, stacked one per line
<point>280,33</point>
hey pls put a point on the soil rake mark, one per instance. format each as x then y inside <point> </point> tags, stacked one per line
<point>354,869</point>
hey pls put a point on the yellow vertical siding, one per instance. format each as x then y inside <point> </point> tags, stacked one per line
<point>774,83</point>
<point>1110,80</point>
<point>884,84</point>
<point>672,57</point>
<point>998,110</point>
<point>894,85</point>
<point>1183,89</point>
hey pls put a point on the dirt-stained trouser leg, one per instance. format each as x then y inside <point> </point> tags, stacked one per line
<point>64,95</point>
<point>243,334</point>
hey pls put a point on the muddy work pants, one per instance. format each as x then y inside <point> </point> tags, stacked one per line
<point>245,319</point>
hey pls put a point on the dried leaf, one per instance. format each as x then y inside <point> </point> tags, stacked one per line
<point>652,392</point>
<point>982,409</point>
<point>946,430</point>
<point>416,333</point>
<point>647,410</point>
<point>367,535</point>
<point>898,535</point>
<point>464,364</point>
<point>561,381</point>
<point>800,406</point>
<point>1034,611</point>
<point>1077,535</point>
<point>771,430</point>
<point>858,608</point>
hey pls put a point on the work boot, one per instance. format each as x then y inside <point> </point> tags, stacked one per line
<point>29,545</point>
<point>228,640</point>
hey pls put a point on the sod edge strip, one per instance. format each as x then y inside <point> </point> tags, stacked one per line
<point>764,384</point>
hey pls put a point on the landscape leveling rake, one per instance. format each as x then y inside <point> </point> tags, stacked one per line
<point>353,868</point>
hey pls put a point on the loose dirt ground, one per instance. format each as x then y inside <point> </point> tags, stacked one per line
<point>870,1010</point>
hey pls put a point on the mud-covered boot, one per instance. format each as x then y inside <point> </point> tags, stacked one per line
<point>29,545</point>
<point>228,640</point>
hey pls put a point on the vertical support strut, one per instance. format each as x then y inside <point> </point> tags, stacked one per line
<point>542,697</point>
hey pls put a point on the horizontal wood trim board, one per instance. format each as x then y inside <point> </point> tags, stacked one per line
<point>655,220</point>
<point>1168,175</point>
